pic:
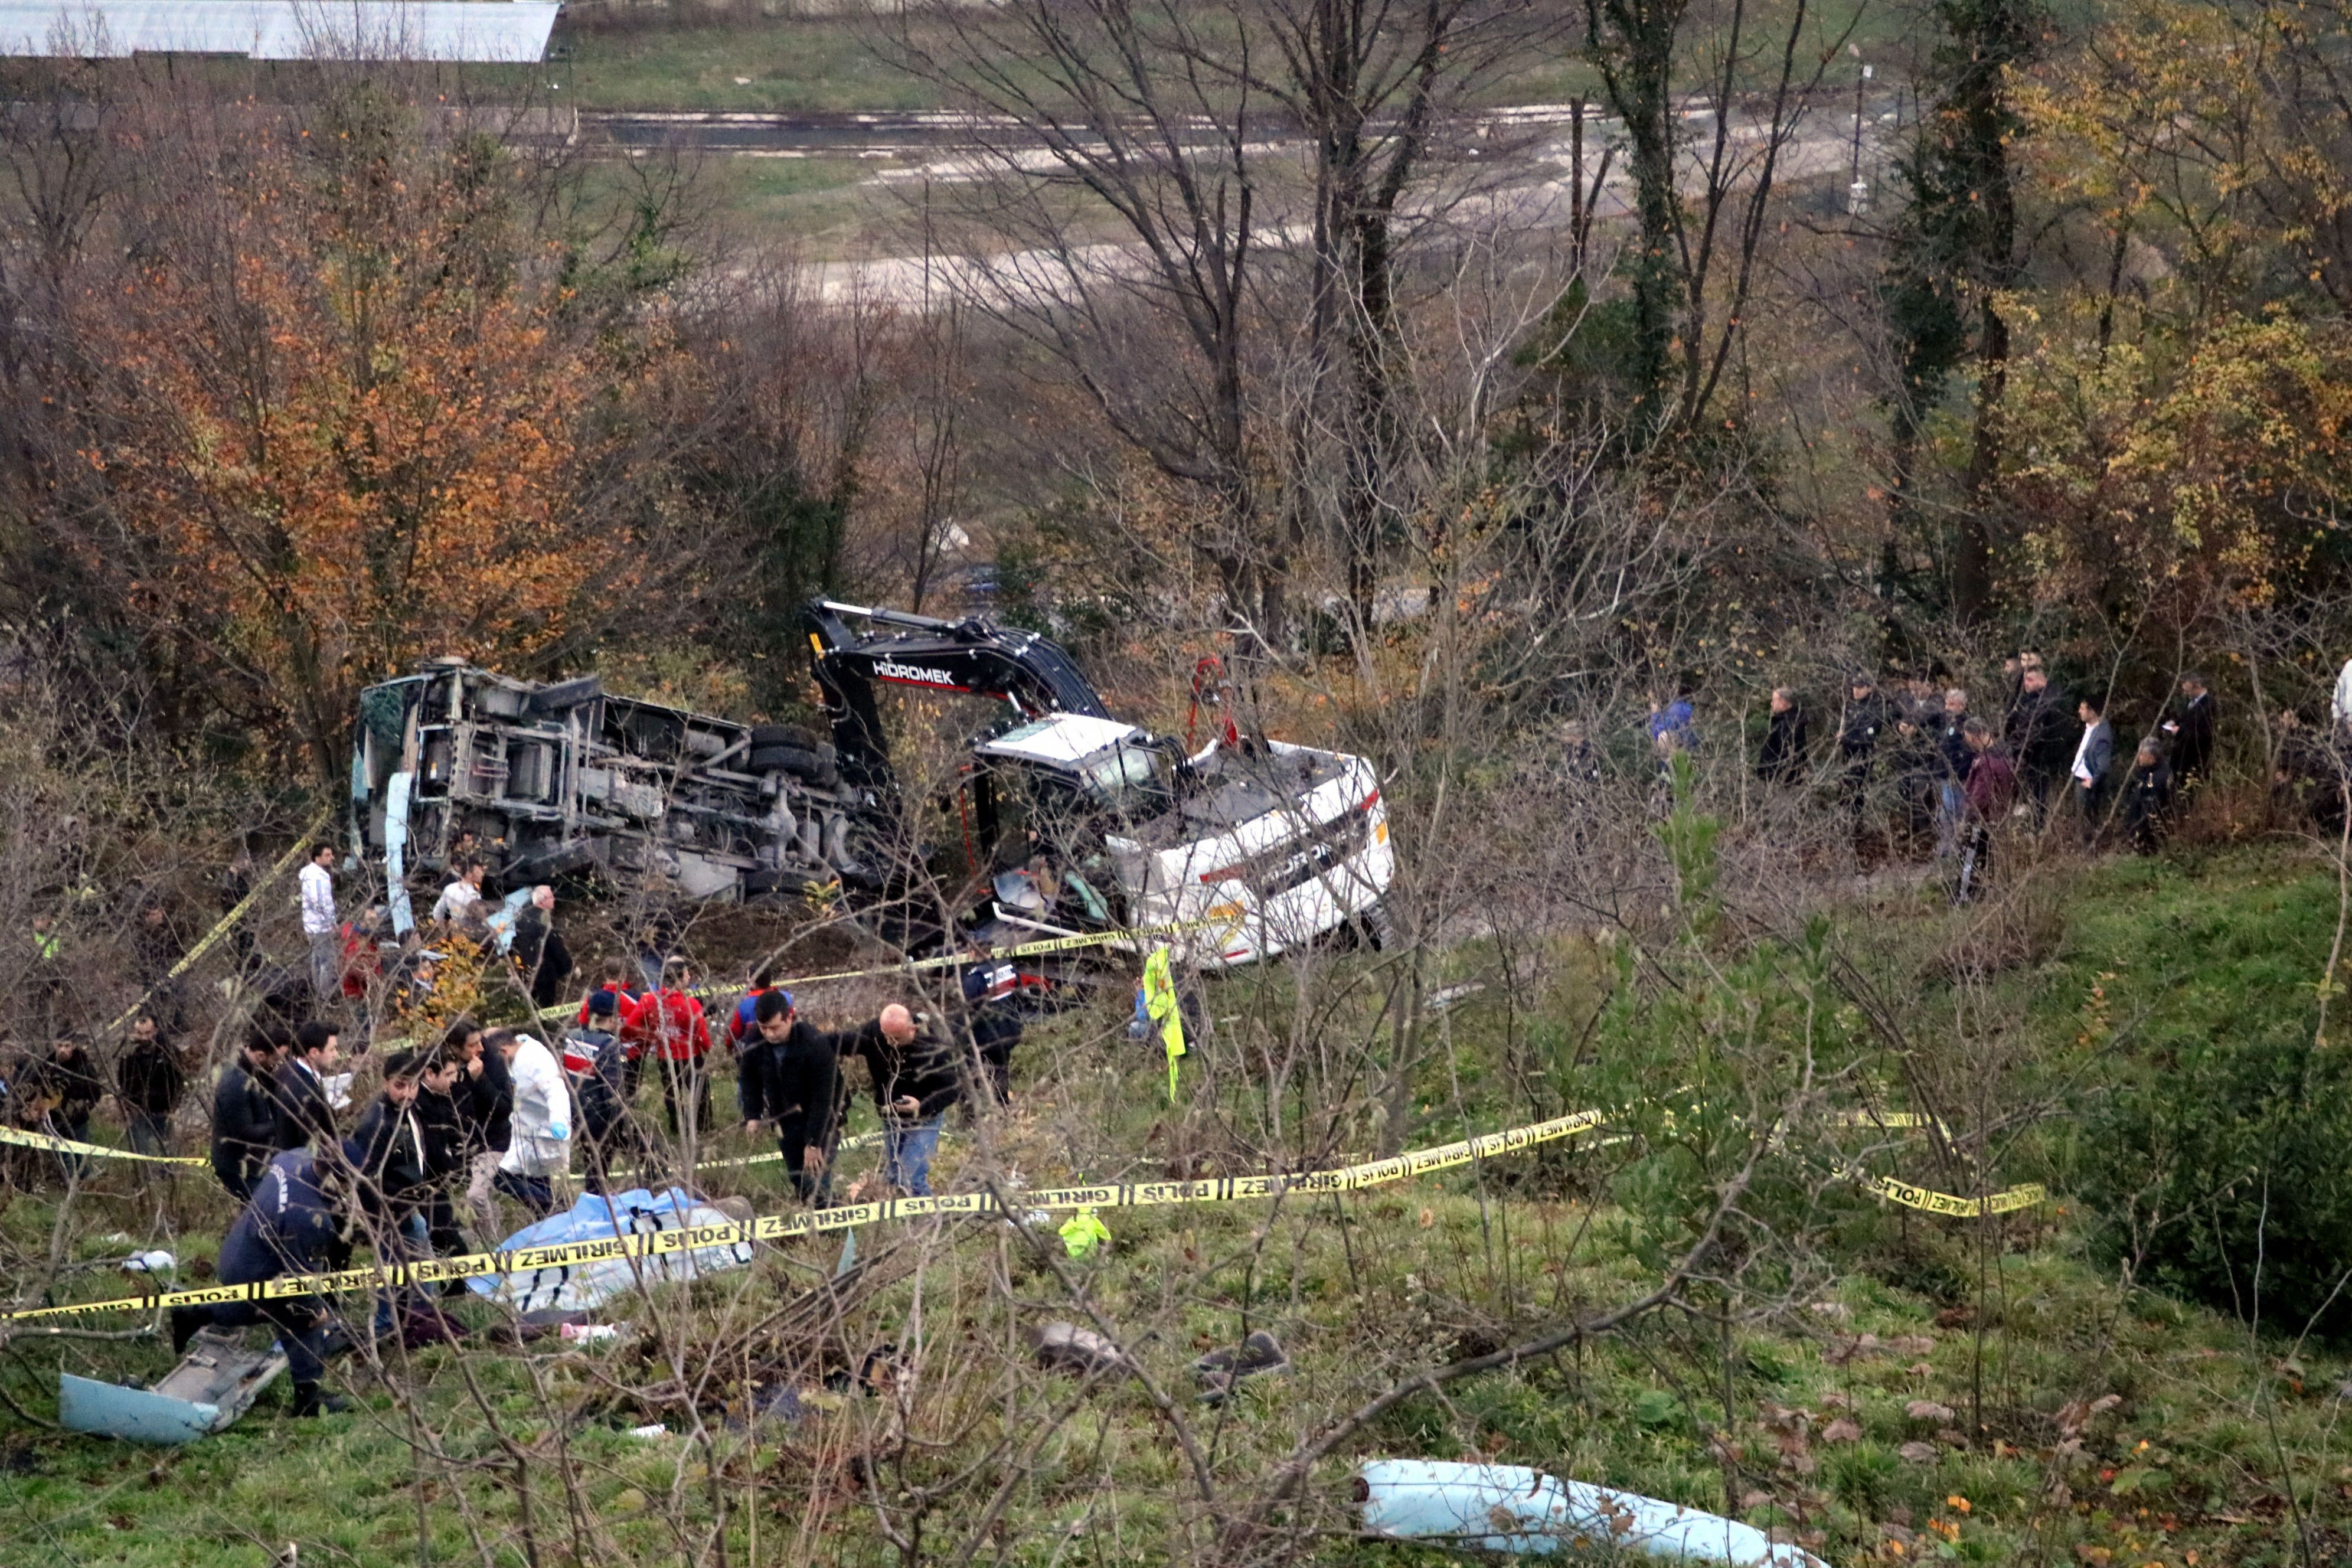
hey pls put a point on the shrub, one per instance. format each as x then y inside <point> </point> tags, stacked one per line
<point>2224,1169</point>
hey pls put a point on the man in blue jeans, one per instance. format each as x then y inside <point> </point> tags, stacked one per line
<point>916,1079</point>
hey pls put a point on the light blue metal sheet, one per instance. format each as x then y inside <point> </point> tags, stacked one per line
<point>110,1410</point>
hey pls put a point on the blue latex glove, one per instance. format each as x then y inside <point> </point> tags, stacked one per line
<point>560,1130</point>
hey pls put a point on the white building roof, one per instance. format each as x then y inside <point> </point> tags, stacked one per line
<point>500,31</point>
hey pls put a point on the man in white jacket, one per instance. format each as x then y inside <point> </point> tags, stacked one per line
<point>319,930</point>
<point>541,1147</point>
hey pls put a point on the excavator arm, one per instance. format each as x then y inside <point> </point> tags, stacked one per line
<point>852,648</point>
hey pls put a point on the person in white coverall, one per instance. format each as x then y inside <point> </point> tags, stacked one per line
<point>541,1147</point>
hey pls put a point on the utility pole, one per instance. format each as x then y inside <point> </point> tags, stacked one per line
<point>1576,185</point>
<point>1857,194</point>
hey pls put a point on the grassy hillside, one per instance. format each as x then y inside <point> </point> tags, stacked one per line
<point>2119,1425</point>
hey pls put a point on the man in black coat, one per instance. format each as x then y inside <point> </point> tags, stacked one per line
<point>541,956</point>
<point>484,1093</point>
<point>1950,732</point>
<point>2041,738</point>
<point>915,1079</point>
<point>297,1222</point>
<point>245,1113</point>
<point>445,1152</point>
<point>2190,726</point>
<point>1781,760</point>
<point>1866,718</point>
<point>305,1113</point>
<point>791,1083</point>
<point>149,1081</point>
<point>393,1157</point>
<point>67,1082</point>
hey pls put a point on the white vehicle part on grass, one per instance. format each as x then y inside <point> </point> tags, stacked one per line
<point>1510,1508</point>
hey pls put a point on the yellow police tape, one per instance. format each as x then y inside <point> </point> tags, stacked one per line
<point>204,944</point>
<point>1128,1194</point>
<point>103,1151</point>
<point>1929,1201</point>
<point>69,1146</point>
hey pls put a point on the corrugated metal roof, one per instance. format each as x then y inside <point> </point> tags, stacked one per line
<point>454,30</point>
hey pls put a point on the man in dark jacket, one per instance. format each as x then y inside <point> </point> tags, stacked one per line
<point>1866,719</point>
<point>991,1001</point>
<point>149,1081</point>
<point>791,1083</point>
<point>485,1100</point>
<point>915,1080</point>
<point>2308,778</point>
<point>1580,759</point>
<point>156,948</point>
<point>1915,762</point>
<point>1781,760</point>
<point>541,956</point>
<point>66,1083</point>
<point>245,1113</point>
<point>2147,797</point>
<point>2040,738</point>
<point>1952,751</point>
<point>297,1222</point>
<point>2190,727</point>
<point>305,1113</point>
<point>445,1153</point>
<point>393,1157</point>
<point>2087,779</point>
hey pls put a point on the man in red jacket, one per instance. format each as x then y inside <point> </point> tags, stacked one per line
<point>674,1033</point>
<point>625,1001</point>
<point>742,1022</point>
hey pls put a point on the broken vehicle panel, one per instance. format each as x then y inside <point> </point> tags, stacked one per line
<point>568,779</point>
<point>215,1383</point>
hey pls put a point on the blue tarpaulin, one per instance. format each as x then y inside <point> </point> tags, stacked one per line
<point>581,1287</point>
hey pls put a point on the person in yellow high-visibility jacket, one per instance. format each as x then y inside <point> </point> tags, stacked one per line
<point>1160,1003</point>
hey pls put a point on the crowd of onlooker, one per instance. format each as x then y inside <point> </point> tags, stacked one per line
<point>1930,770</point>
<point>414,1137</point>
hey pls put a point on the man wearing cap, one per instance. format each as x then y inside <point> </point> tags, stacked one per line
<point>990,992</point>
<point>608,1131</point>
<point>792,1082</point>
<point>297,1222</point>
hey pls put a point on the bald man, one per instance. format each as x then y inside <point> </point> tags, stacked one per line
<point>915,1081</point>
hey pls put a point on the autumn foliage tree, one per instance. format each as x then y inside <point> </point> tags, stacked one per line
<point>347,430</point>
<point>2180,484</point>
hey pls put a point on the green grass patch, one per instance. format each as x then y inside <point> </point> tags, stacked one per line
<point>783,64</point>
